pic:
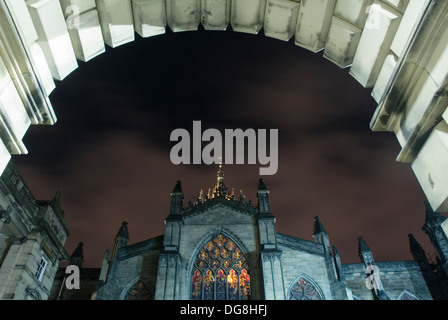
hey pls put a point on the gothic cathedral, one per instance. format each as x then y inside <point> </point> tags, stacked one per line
<point>224,248</point>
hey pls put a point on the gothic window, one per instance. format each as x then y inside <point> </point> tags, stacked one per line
<point>209,285</point>
<point>304,289</point>
<point>405,295</point>
<point>220,272</point>
<point>140,291</point>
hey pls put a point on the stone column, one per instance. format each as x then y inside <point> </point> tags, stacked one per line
<point>167,284</point>
<point>273,275</point>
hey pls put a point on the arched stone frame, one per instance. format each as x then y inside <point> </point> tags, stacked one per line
<point>131,284</point>
<point>406,295</point>
<point>319,292</point>
<point>426,23</point>
<point>32,294</point>
<point>201,244</point>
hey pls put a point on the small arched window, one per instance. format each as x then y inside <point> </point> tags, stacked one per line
<point>220,272</point>
<point>305,289</point>
<point>406,295</point>
<point>140,291</point>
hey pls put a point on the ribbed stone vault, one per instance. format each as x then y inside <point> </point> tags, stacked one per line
<point>398,49</point>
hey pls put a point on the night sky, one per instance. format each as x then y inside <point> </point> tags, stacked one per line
<point>108,153</point>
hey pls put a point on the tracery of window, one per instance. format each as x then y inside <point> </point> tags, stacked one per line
<point>407,296</point>
<point>303,289</point>
<point>220,272</point>
<point>140,291</point>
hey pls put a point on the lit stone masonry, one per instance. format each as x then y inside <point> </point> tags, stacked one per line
<point>116,20</point>
<point>149,17</point>
<point>342,42</point>
<point>183,15</point>
<point>15,121</point>
<point>247,15</point>
<point>432,182</point>
<point>215,14</point>
<point>313,24</point>
<point>281,19</point>
<point>396,48</point>
<point>83,26</point>
<point>355,12</point>
<point>375,43</point>
<point>53,36</point>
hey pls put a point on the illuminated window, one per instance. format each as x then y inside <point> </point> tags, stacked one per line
<point>140,291</point>
<point>304,289</point>
<point>220,272</point>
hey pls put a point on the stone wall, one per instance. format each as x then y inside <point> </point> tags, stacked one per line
<point>303,258</point>
<point>134,262</point>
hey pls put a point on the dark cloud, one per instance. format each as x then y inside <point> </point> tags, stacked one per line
<point>109,152</point>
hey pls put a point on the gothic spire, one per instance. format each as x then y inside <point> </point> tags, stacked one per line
<point>220,174</point>
<point>262,185</point>
<point>320,235</point>
<point>201,197</point>
<point>416,249</point>
<point>433,228</point>
<point>177,187</point>
<point>432,218</point>
<point>264,207</point>
<point>220,188</point>
<point>364,252</point>
<point>177,198</point>
<point>123,231</point>
<point>338,264</point>
<point>242,196</point>
<point>362,246</point>
<point>57,200</point>
<point>77,257</point>
<point>121,239</point>
<point>78,252</point>
<point>318,226</point>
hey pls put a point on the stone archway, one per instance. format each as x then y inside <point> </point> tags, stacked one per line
<point>396,48</point>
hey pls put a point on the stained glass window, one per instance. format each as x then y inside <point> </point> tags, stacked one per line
<point>220,285</point>
<point>209,286</point>
<point>244,285</point>
<point>140,291</point>
<point>303,289</point>
<point>220,272</point>
<point>196,286</point>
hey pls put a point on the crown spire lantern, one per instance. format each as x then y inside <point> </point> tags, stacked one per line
<point>320,235</point>
<point>121,239</point>
<point>220,189</point>
<point>77,257</point>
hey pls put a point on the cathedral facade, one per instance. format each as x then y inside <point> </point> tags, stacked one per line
<point>224,248</point>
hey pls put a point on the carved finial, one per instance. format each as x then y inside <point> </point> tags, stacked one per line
<point>123,232</point>
<point>201,196</point>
